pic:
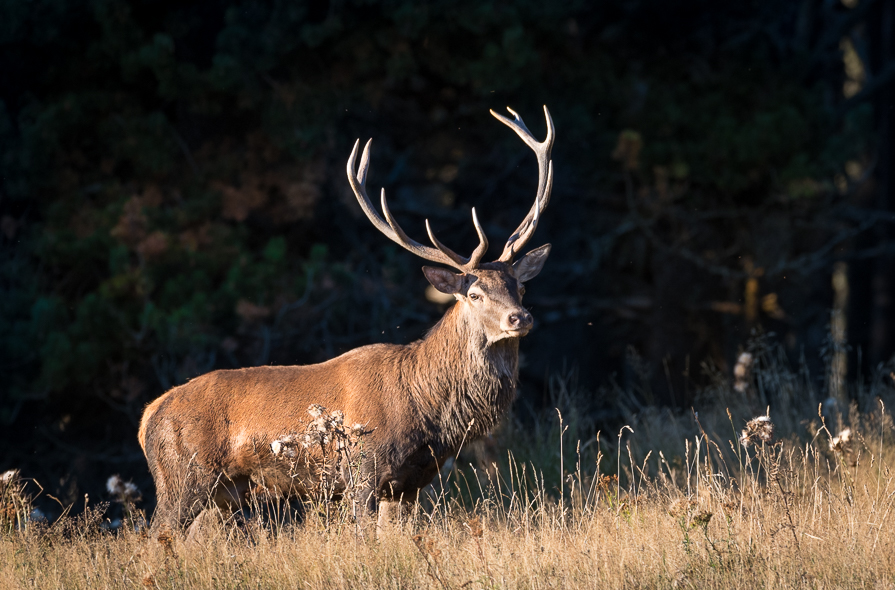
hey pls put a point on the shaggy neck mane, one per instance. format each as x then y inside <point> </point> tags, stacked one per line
<point>454,377</point>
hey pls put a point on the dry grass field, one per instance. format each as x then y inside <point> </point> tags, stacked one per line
<point>708,500</point>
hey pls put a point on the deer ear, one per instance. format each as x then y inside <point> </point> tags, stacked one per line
<point>528,267</point>
<point>444,280</point>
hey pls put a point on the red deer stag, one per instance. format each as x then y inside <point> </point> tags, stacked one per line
<point>207,440</point>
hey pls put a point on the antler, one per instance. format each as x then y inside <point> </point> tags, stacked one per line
<point>545,180</point>
<point>441,253</point>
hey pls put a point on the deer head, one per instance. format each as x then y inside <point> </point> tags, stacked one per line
<point>490,292</point>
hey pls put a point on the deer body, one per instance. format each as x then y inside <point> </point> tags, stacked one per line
<point>211,438</point>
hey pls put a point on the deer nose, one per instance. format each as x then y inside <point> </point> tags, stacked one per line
<point>520,320</point>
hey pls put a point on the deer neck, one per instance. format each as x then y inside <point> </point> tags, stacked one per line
<point>460,384</point>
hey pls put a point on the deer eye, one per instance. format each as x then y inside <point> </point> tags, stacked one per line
<point>521,290</point>
<point>475,297</point>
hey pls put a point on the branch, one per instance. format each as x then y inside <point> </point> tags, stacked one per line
<point>804,264</point>
<point>644,225</point>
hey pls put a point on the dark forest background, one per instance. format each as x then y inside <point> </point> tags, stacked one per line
<point>173,195</point>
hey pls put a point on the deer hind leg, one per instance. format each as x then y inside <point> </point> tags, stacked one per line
<point>183,489</point>
<point>194,497</point>
<point>213,505</point>
<point>169,511</point>
<point>390,512</point>
<point>203,523</point>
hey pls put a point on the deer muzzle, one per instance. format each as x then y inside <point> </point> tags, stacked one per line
<point>518,322</point>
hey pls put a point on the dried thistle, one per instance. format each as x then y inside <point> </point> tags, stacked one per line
<point>9,477</point>
<point>125,492</point>
<point>842,444</point>
<point>742,371</point>
<point>475,527</point>
<point>841,441</point>
<point>681,507</point>
<point>339,474</point>
<point>286,446</point>
<point>702,518</point>
<point>166,540</point>
<point>757,431</point>
<point>731,508</point>
<point>606,482</point>
<point>329,427</point>
<point>477,531</point>
<point>16,509</point>
<point>427,547</point>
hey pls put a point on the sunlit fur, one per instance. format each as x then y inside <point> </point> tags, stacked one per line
<point>211,437</point>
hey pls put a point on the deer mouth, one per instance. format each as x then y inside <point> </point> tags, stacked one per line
<point>517,332</point>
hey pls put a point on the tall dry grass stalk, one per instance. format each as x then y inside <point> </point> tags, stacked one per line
<point>735,496</point>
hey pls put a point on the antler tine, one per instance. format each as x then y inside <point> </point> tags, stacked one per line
<point>480,250</point>
<point>459,261</point>
<point>545,179</point>
<point>389,226</point>
<point>358,183</point>
<point>524,232</point>
<point>477,254</point>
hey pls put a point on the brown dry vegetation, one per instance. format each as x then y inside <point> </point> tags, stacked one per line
<point>693,508</point>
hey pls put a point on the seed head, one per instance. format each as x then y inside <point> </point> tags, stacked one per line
<point>681,507</point>
<point>741,372</point>
<point>286,446</point>
<point>123,491</point>
<point>131,490</point>
<point>758,430</point>
<point>730,507</point>
<point>702,518</point>
<point>475,527</point>
<point>114,484</point>
<point>841,441</point>
<point>843,444</point>
<point>166,540</point>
